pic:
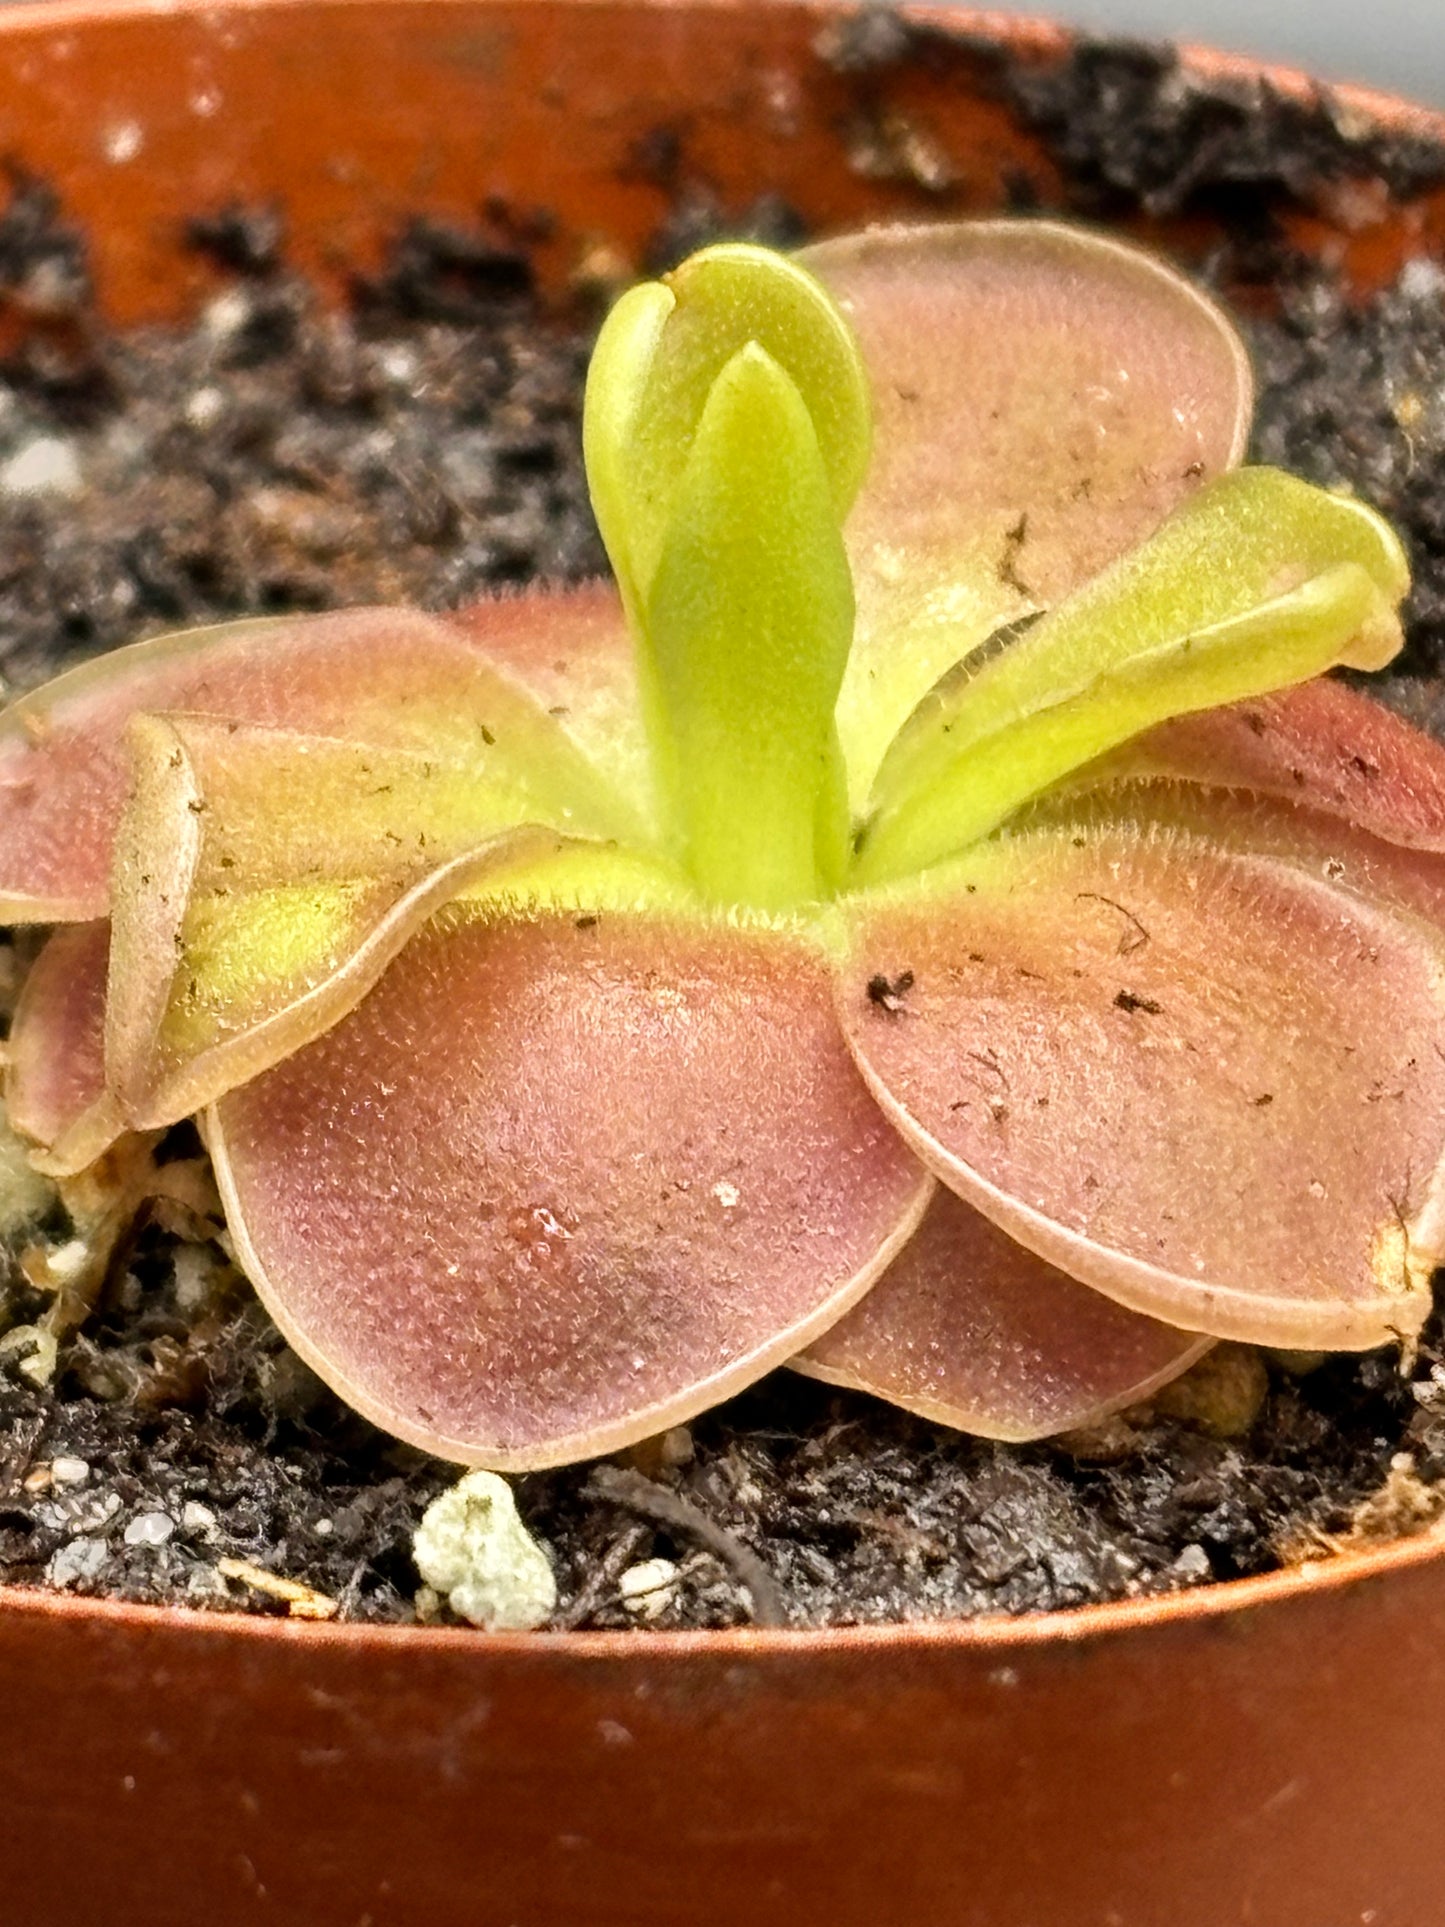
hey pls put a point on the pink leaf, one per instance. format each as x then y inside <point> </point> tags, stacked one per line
<point>1321,744</point>
<point>1043,398</point>
<point>1208,1082</point>
<point>388,677</point>
<point>559,1183</point>
<point>55,1086</point>
<point>968,1328</point>
<point>571,651</point>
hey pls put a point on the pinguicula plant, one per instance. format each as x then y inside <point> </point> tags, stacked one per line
<point>929,922</point>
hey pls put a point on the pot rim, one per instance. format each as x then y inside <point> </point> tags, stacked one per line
<point>987,1633</point>
<point>1025,32</point>
<point>1039,33</point>
<point>1001,1633</point>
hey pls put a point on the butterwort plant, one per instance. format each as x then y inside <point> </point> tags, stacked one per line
<point>929,922</point>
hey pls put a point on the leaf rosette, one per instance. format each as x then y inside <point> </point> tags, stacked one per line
<point>930,922</point>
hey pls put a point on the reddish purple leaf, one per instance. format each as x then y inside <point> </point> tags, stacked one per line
<point>1207,1082</point>
<point>968,1328</point>
<point>1321,744</point>
<point>55,1087</point>
<point>557,1184</point>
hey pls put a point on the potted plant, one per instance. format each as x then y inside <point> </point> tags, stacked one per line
<point>1080,1767</point>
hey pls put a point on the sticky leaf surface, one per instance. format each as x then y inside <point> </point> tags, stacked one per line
<point>1258,582</point>
<point>969,1329</point>
<point>1323,745</point>
<point>1202,1081</point>
<point>383,677</point>
<point>1042,397</point>
<point>264,880</point>
<point>551,1188</point>
<point>55,1085</point>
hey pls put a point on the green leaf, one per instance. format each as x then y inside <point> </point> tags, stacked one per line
<point>585,880</point>
<point>616,382</point>
<point>750,618</point>
<point>264,880</point>
<point>1042,398</point>
<point>727,432</point>
<point>657,358</point>
<point>1259,582</point>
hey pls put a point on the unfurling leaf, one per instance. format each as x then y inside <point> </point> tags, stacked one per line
<point>750,616</point>
<point>727,432</point>
<point>661,350</point>
<point>1259,582</point>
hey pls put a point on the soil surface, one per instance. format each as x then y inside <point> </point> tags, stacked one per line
<point>425,446</point>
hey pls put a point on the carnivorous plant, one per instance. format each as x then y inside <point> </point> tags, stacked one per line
<point>929,922</point>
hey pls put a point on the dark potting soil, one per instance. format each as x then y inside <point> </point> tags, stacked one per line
<point>424,447</point>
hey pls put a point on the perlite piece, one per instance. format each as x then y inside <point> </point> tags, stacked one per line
<point>472,1546</point>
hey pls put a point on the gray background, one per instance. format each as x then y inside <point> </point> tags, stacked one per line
<point>1397,44</point>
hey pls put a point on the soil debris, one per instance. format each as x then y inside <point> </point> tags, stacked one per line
<point>301,1602</point>
<point>1131,127</point>
<point>621,1486</point>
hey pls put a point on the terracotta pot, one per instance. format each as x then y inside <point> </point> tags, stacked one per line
<point>1268,1752</point>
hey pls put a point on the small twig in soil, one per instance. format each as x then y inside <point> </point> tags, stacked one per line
<point>602,1580</point>
<point>18,1455</point>
<point>301,1601</point>
<point>907,1538</point>
<point>638,1494</point>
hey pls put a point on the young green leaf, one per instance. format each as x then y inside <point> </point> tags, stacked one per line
<point>1257,583</point>
<point>617,380</point>
<point>264,880</point>
<point>657,358</point>
<point>672,400</point>
<point>750,618</point>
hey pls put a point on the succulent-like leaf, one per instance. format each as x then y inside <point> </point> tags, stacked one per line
<point>749,618</point>
<point>618,375</point>
<point>559,1183</point>
<point>570,650</point>
<point>264,880</point>
<point>385,677</point>
<point>1202,1080</point>
<point>1043,397</point>
<point>1257,582</point>
<point>1323,745</point>
<point>660,352</point>
<point>55,1080</point>
<point>969,1329</point>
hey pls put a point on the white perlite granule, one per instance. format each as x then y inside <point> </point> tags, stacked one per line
<point>472,1547</point>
